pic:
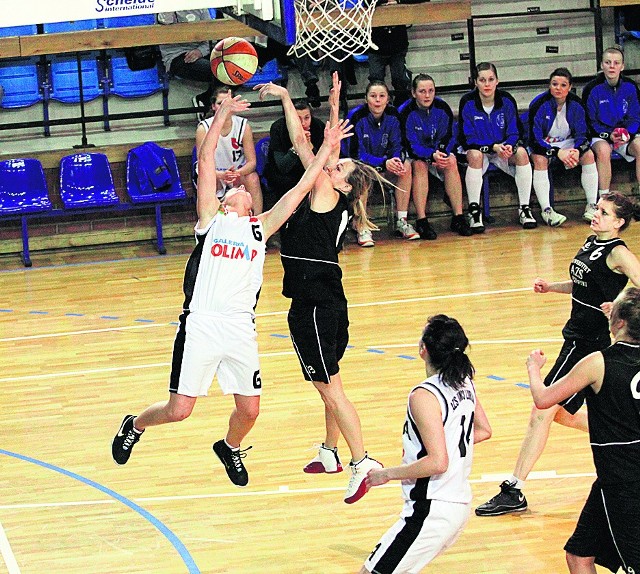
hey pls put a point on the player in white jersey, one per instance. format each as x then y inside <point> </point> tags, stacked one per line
<point>235,154</point>
<point>216,333</point>
<point>444,420</point>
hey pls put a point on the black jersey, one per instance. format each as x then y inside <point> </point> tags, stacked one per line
<point>310,243</point>
<point>614,416</point>
<point>593,284</point>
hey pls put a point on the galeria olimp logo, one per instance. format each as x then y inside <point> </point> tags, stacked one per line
<point>122,5</point>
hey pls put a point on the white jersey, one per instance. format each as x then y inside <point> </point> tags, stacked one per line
<point>230,151</point>
<point>224,273</point>
<point>458,408</point>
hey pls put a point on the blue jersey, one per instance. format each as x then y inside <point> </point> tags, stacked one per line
<point>428,130</point>
<point>479,130</point>
<point>542,113</point>
<point>610,107</point>
<point>374,141</point>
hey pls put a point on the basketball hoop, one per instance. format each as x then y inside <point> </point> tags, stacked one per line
<point>332,28</point>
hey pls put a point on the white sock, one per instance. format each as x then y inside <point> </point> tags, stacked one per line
<point>523,183</point>
<point>602,191</point>
<point>473,181</point>
<point>231,447</point>
<point>542,187</point>
<point>403,214</point>
<point>517,483</point>
<point>589,181</point>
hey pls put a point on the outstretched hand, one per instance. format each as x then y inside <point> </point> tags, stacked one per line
<point>270,89</point>
<point>233,105</point>
<point>334,92</point>
<point>333,135</point>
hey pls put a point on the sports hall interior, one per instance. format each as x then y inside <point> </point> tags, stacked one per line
<point>87,329</point>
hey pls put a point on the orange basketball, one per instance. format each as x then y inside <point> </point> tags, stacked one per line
<point>234,61</point>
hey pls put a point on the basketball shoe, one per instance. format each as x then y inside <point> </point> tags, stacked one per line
<point>357,487</point>
<point>509,499</point>
<point>325,461</point>
<point>124,441</point>
<point>232,462</point>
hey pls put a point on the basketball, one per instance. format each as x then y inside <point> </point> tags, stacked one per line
<point>234,61</point>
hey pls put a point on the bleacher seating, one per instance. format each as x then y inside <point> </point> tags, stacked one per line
<point>65,84</point>
<point>86,181</point>
<point>73,26</point>
<point>21,81</point>
<point>125,21</point>
<point>23,191</point>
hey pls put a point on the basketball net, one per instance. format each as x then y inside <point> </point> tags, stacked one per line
<point>332,28</point>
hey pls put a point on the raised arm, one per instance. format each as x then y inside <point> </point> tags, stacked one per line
<point>207,202</point>
<point>273,219</point>
<point>334,109</point>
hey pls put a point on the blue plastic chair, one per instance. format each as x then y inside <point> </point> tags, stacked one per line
<point>126,83</point>
<point>65,86</point>
<point>140,194</point>
<point>21,82</point>
<point>23,191</point>
<point>86,181</point>
<point>73,26</point>
<point>270,72</point>
<point>27,30</point>
<point>262,153</point>
<point>127,21</point>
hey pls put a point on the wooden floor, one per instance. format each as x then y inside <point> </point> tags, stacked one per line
<point>86,337</point>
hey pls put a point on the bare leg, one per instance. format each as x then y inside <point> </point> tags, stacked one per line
<point>176,409</point>
<point>344,414</point>
<point>634,150</point>
<point>363,570</point>
<point>420,188</point>
<point>333,430</point>
<point>580,565</point>
<point>602,150</point>
<point>453,186</point>
<point>534,440</point>
<point>242,419</point>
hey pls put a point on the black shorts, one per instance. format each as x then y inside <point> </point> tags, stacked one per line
<point>572,351</point>
<point>320,336</point>
<point>609,527</point>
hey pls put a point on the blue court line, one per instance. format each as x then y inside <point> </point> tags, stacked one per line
<point>409,357</point>
<point>279,336</point>
<point>376,351</point>
<point>109,317</point>
<point>143,321</point>
<point>38,312</point>
<point>522,385</point>
<point>74,314</point>
<point>495,377</point>
<point>6,310</point>
<point>170,536</point>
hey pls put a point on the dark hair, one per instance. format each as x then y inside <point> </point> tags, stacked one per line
<point>625,207</point>
<point>483,66</point>
<point>627,307</point>
<point>220,90</point>
<point>302,104</point>
<point>374,83</point>
<point>563,72</point>
<point>421,78</point>
<point>445,341</point>
<point>614,48</point>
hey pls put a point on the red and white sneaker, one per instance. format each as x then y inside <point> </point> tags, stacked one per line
<point>326,461</point>
<point>357,487</point>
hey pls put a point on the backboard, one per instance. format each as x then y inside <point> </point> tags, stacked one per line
<point>274,18</point>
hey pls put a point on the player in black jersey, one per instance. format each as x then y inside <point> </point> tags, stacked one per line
<point>599,271</point>
<point>608,530</point>
<point>318,318</point>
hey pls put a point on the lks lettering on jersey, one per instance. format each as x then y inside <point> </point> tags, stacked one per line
<point>461,395</point>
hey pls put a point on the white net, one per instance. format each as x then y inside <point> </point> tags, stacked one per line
<point>333,28</point>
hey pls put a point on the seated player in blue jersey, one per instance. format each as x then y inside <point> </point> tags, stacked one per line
<point>558,131</point>
<point>444,420</point>
<point>608,529</point>
<point>216,334</point>
<point>490,131</point>
<point>377,141</point>
<point>599,271</point>
<point>427,127</point>
<point>613,113</point>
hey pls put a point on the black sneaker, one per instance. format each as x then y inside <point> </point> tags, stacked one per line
<point>232,461</point>
<point>124,441</point>
<point>313,94</point>
<point>509,499</point>
<point>475,218</point>
<point>424,229</point>
<point>460,226</point>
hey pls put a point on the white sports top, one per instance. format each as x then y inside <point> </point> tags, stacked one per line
<point>230,151</point>
<point>458,408</point>
<point>560,129</point>
<point>229,272</point>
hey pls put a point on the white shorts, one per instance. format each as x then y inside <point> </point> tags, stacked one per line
<point>206,345</point>
<point>621,151</point>
<point>415,539</point>
<point>501,163</point>
<point>569,143</point>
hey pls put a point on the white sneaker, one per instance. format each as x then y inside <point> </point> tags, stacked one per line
<point>553,218</point>
<point>326,461</point>
<point>406,230</point>
<point>357,487</point>
<point>589,212</point>
<point>526,218</point>
<point>365,238</point>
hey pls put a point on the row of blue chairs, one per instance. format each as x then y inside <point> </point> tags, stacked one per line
<point>86,185</point>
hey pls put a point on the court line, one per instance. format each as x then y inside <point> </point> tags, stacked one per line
<point>7,554</point>
<point>285,490</point>
<point>83,332</point>
<point>168,534</point>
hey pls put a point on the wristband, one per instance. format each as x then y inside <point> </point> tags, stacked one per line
<point>293,151</point>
